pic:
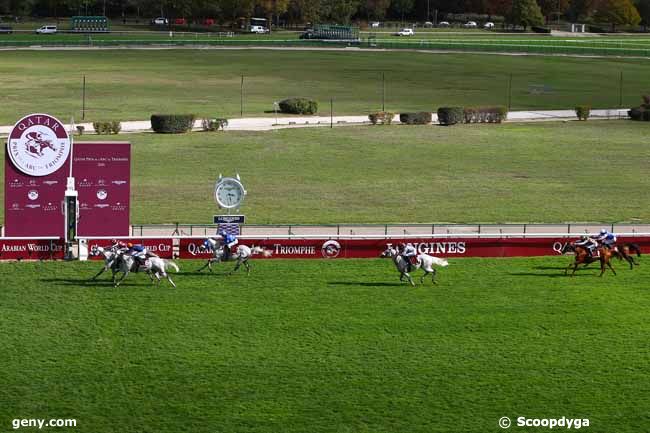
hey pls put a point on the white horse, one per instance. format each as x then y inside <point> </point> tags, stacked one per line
<point>110,255</point>
<point>424,261</point>
<point>242,255</point>
<point>118,261</point>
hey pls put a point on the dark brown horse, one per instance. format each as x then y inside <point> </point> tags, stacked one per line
<point>582,257</point>
<point>627,251</point>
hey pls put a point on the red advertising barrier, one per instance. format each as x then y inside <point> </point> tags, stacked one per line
<point>31,249</point>
<point>163,247</point>
<point>369,248</point>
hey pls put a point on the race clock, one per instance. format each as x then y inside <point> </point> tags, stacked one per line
<point>229,192</point>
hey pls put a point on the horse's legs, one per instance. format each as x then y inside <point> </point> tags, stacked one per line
<point>575,267</point>
<point>206,265</point>
<point>610,266</point>
<point>237,265</point>
<point>423,275</point>
<point>122,279</point>
<point>409,278</point>
<point>433,276</point>
<point>101,271</point>
<point>170,281</point>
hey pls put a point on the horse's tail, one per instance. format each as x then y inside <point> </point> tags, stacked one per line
<point>261,250</point>
<point>170,264</point>
<point>635,248</point>
<point>440,262</point>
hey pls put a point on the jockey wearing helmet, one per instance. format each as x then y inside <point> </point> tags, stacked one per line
<point>607,239</point>
<point>139,252</point>
<point>587,242</point>
<point>229,241</point>
<point>118,246</point>
<point>408,251</point>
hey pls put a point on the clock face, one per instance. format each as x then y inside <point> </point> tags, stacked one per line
<point>229,193</point>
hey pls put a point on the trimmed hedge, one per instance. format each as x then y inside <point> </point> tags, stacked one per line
<point>172,123</point>
<point>450,115</point>
<point>214,124</point>
<point>485,114</point>
<point>642,112</point>
<point>107,128</point>
<point>583,111</point>
<point>419,118</point>
<point>298,106</point>
<point>381,117</point>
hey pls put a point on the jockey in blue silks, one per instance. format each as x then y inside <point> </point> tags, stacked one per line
<point>607,239</point>
<point>229,241</point>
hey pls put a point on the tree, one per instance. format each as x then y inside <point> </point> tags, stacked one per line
<point>617,12</point>
<point>376,9</point>
<point>643,6</point>
<point>553,7</point>
<point>340,11</point>
<point>402,7</point>
<point>526,13</point>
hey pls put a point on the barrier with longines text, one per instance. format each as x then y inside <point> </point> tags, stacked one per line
<point>189,248</point>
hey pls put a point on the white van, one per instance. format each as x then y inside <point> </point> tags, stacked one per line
<point>46,30</point>
<point>259,29</point>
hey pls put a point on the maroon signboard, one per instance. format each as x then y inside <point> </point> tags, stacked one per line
<point>162,247</point>
<point>31,249</point>
<point>102,174</point>
<point>33,198</point>
<point>37,149</point>
<point>369,248</point>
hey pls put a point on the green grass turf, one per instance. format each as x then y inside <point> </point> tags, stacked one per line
<point>133,84</point>
<point>318,346</point>
<point>530,172</point>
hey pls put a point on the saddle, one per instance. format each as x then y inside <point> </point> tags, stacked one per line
<point>413,260</point>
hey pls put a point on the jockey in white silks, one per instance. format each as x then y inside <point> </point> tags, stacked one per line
<point>409,251</point>
<point>607,239</point>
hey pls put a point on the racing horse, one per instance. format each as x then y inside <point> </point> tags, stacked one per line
<point>154,266</point>
<point>627,251</point>
<point>582,257</point>
<point>110,255</point>
<point>242,255</point>
<point>424,261</point>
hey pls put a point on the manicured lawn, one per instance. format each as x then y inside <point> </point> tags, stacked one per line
<point>325,346</point>
<point>534,172</point>
<point>133,84</point>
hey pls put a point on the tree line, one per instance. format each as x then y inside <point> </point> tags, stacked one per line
<point>516,12</point>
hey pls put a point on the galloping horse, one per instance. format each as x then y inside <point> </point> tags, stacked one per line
<point>626,252</point>
<point>424,261</point>
<point>242,255</point>
<point>582,257</point>
<point>117,261</point>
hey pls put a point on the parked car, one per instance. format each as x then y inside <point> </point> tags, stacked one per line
<point>405,32</point>
<point>259,29</point>
<point>428,24</point>
<point>6,30</point>
<point>375,24</point>
<point>46,30</point>
<point>443,24</point>
<point>180,21</point>
<point>488,25</point>
<point>160,21</point>
<point>208,22</point>
<point>470,25</point>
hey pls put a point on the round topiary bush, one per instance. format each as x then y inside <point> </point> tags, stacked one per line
<point>298,106</point>
<point>450,115</point>
<point>419,118</point>
<point>172,123</point>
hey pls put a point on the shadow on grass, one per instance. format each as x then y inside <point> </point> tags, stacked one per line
<point>551,275</point>
<point>358,283</point>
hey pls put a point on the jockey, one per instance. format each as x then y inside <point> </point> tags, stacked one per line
<point>208,244</point>
<point>587,242</point>
<point>408,251</point>
<point>118,246</point>
<point>139,252</point>
<point>607,239</point>
<point>229,241</point>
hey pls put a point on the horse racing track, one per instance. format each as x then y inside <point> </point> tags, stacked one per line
<point>326,346</point>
